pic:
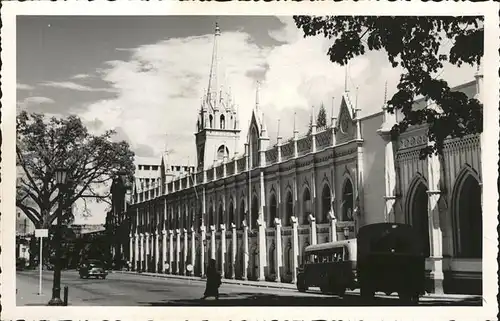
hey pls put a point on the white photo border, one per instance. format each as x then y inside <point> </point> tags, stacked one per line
<point>489,142</point>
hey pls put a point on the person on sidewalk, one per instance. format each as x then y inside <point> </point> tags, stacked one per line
<point>213,281</point>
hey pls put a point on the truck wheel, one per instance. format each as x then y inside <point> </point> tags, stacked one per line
<point>301,284</point>
<point>367,293</point>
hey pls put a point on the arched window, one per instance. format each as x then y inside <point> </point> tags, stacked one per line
<point>419,214</point>
<point>288,210</point>
<point>221,152</point>
<point>307,206</point>
<point>222,122</point>
<point>326,204</point>
<point>468,218</point>
<point>254,148</point>
<point>231,213</point>
<point>221,215</point>
<point>347,201</point>
<point>211,120</point>
<point>242,213</point>
<point>255,213</point>
<point>273,210</point>
<point>211,215</point>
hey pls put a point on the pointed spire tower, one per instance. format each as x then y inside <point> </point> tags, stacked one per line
<point>218,124</point>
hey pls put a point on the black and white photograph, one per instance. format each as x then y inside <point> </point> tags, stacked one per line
<point>187,159</point>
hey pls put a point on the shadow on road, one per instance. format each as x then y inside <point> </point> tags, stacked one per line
<point>261,299</point>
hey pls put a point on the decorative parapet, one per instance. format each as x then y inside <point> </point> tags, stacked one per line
<point>287,151</point>
<point>324,139</point>
<point>230,167</point>
<point>304,145</point>
<point>458,144</point>
<point>219,171</point>
<point>241,164</point>
<point>271,155</point>
<point>412,141</point>
<point>210,174</point>
<point>199,177</point>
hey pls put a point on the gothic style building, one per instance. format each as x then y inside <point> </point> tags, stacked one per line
<point>255,213</point>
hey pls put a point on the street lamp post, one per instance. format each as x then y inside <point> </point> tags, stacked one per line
<point>61,179</point>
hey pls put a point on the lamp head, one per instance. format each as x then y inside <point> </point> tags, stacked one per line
<point>61,174</point>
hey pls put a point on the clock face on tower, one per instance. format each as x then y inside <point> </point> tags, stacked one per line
<point>344,124</point>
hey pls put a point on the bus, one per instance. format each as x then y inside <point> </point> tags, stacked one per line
<point>390,258</point>
<point>329,266</point>
<point>384,257</point>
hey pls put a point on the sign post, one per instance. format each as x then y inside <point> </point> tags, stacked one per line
<point>41,233</point>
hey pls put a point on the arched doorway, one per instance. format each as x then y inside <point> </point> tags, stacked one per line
<point>326,203</point>
<point>469,218</point>
<point>272,261</point>
<point>347,201</point>
<point>419,207</point>
<point>288,210</point>
<point>255,212</point>
<point>306,199</point>
<point>273,211</point>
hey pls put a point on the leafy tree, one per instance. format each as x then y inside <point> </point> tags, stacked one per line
<point>43,145</point>
<point>321,120</point>
<point>417,44</point>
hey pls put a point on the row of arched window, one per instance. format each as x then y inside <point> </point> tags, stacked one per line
<point>466,210</point>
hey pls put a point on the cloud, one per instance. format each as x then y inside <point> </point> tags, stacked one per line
<point>74,86</point>
<point>35,104</point>
<point>160,86</point>
<point>81,76</point>
<point>24,87</point>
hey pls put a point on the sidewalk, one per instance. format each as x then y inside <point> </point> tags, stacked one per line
<point>284,286</point>
<point>27,293</point>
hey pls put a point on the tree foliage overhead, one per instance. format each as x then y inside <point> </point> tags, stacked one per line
<point>45,144</point>
<point>418,44</point>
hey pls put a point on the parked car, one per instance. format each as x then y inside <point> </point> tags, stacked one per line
<point>92,268</point>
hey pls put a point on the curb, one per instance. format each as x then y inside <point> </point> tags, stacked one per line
<point>282,285</point>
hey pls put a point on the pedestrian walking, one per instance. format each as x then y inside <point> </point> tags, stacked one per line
<point>213,281</point>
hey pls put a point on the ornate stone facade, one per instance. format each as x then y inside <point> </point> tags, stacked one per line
<point>255,213</point>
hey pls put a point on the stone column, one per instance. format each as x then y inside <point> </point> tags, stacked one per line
<point>147,253</point>
<point>136,252</point>
<point>171,251</point>
<point>234,243</point>
<point>245,250</point>
<point>314,235</point>
<point>223,249</point>
<point>212,242</point>
<point>333,226</point>
<point>157,252</point>
<point>262,249</point>
<point>295,246</point>
<point>141,256</point>
<point>203,239</point>
<point>164,251</point>
<point>435,232</point>
<point>193,248</point>
<point>279,250</point>
<point>178,251</point>
<point>185,252</point>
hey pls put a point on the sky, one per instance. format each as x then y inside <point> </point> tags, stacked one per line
<point>145,76</point>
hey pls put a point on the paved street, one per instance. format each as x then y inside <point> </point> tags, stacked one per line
<point>140,290</point>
